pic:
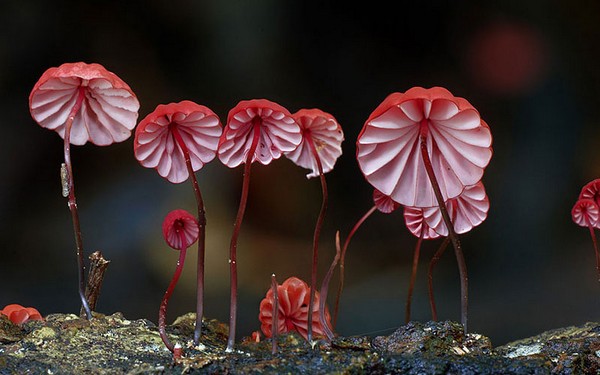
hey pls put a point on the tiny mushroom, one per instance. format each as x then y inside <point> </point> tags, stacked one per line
<point>423,147</point>
<point>83,102</point>
<point>382,203</point>
<point>293,298</point>
<point>321,146</point>
<point>256,130</point>
<point>180,230</point>
<point>586,213</point>
<point>178,139</point>
<point>19,314</point>
<point>467,211</point>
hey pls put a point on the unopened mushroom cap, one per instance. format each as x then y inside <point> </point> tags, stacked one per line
<point>458,144</point>
<point>155,146</point>
<point>327,136</point>
<point>177,222</point>
<point>108,112</point>
<point>279,133</point>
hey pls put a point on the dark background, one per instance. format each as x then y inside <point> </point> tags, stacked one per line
<point>530,69</point>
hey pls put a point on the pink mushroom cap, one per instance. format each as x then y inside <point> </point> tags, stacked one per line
<point>384,203</point>
<point>109,110</point>
<point>293,295</point>
<point>458,143</point>
<point>19,314</point>
<point>327,136</point>
<point>155,146</point>
<point>177,222</point>
<point>279,133</point>
<point>586,213</point>
<point>591,190</point>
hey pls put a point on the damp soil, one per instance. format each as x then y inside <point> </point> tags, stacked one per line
<point>112,344</point>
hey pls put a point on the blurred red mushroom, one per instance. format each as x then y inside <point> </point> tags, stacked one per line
<point>177,139</point>
<point>321,146</point>
<point>180,230</point>
<point>293,297</point>
<point>19,314</point>
<point>83,102</point>
<point>257,130</point>
<point>586,213</point>
<point>421,148</point>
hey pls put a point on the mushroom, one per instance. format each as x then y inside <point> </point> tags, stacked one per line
<point>180,230</point>
<point>586,213</point>
<point>177,139</point>
<point>421,148</point>
<point>19,314</point>
<point>256,130</point>
<point>384,204</point>
<point>293,298</point>
<point>82,102</point>
<point>467,211</point>
<point>321,146</point>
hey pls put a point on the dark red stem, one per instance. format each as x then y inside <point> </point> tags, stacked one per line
<point>343,258</point>
<point>162,312</point>
<point>275,314</point>
<point>413,274</point>
<point>432,263</point>
<point>256,124</point>
<point>325,288</point>
<point>73,202</point>
<point>317,234</point>
<point>593,234</point>
<point>201,234</point>
<point>462,266</point>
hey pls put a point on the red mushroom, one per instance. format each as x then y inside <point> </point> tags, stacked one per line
<point>293,298</point>
<point>177,139</point>
<point>83,102</point>
<point>586,213</point>
<point>591,190</point>
<point>421,148</point>
<point>467,211</point>
<point>321,146</point>
<point>382,203</point>
<point>180,230</point>
<point>258,130</point>
<point>19,314</point>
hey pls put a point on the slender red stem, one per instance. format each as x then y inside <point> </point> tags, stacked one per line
<point>413,274</point>
<point>70,189</point>
<point>317,234</point>
<point>343,259</point>
<point>274,314</point>
<point>462,267</point>
<point>256,124</point>
<point>162,312</point>
<point>325,288</point>
<point>201,233</point>
<point>432,263</point>
<point>593,234</point>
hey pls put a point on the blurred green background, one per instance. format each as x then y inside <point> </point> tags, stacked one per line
<point>530,68</point>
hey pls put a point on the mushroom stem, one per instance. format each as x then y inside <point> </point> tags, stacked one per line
<point>325,288</point>
<point>432,263</point>
<point>275,314</point>
<point>162,312</point>
<point>317,234</point>
<point>343,259</point>
<point>593,234</point>
<point>256,124</point>
<point>413,274</point>
<point>201,234</point>
<point>462,267</point>
<point>70,190</point>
